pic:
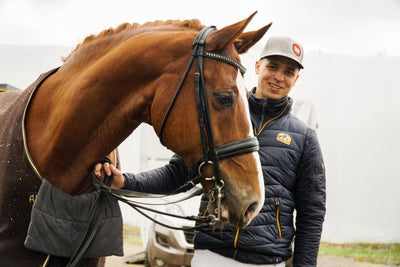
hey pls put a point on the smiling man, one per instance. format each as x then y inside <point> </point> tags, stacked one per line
<point>278,68</point>
<point>292,163</point>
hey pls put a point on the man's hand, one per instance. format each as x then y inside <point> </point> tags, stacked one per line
<point>101,170</point>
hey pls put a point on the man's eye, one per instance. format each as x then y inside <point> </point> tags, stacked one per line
<point>289,73</point>
<point>224,99</point>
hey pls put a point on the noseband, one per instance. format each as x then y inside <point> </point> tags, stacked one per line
<point>211,153</point>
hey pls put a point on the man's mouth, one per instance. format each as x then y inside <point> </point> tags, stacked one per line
<point>274,86</point>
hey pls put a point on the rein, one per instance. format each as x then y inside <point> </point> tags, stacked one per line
<point>121,195</point>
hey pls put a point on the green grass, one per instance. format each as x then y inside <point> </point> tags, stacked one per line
<point>364,252</point>
<point>132,234</point>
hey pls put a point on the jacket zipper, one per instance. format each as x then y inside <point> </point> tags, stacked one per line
<point>267,122</point>
<point>264,106</point>
<point>236,238</point>
<point>277,219</point>
<point>235,243</point>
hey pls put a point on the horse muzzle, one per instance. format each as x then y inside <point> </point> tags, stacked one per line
<point>224,206</point>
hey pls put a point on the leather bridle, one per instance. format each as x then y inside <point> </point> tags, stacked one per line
<point>211,153</point>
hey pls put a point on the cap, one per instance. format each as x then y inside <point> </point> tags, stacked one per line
<point>283,46</point>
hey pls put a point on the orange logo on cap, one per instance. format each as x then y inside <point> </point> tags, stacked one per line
<point>296,49</point>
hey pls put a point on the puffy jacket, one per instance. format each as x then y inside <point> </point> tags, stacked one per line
<point>294,177</point>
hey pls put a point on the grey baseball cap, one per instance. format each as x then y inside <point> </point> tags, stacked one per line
<point>283,46</point>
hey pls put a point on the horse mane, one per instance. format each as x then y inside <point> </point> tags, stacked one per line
<point>194,24</point>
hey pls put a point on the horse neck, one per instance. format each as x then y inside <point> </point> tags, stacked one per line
<point>85,118</point>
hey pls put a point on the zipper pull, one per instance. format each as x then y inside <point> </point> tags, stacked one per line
<point>278,225</point>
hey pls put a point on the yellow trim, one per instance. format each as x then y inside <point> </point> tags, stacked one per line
<point>46,261</point>
<point>236,238</point>
<point>28,155</point>
<point>265,124</point>
<point>277,219</point>
<point>205,212</point>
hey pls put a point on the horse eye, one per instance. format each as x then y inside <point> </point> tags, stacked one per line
<point>224,99</point>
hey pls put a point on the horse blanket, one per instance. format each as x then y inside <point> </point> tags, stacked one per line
<point>20,182</point>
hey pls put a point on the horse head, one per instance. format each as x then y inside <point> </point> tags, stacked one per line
<point>237,178</point>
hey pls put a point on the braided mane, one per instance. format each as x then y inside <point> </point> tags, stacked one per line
<point>194,24</point>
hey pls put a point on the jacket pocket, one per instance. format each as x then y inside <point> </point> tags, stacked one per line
<point>277,214</point>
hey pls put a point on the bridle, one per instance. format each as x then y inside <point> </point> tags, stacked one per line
<point>211,153</point>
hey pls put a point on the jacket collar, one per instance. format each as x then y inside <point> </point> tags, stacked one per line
<point>268,106</point>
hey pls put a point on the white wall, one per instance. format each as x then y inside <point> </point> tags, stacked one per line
<point>355,100</point>
<point>359,123</point>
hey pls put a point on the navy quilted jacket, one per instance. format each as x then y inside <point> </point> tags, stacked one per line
<point>294,177</point>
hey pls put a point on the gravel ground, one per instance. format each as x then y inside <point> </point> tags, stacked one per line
<point>324,261</point>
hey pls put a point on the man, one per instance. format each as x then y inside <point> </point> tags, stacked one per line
<point>293,170</point>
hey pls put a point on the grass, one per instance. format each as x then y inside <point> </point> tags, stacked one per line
<point>132,234</point>
<point>364,252</point>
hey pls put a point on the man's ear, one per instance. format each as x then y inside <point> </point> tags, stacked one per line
<point>297,77</point>
<point>257,67</point>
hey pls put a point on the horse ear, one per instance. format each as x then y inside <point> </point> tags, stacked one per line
<point>219,39</point>
<point>248,39</point>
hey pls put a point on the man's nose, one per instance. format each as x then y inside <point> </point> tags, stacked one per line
<point>278,76</point>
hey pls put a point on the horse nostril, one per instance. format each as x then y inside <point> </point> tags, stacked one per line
<point>251,210</point>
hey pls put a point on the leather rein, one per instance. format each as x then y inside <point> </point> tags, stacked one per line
<point>211,153</point>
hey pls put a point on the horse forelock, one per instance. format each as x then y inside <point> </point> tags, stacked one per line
<point>192,24</point>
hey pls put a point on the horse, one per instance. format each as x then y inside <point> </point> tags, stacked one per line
<point>106,87</point>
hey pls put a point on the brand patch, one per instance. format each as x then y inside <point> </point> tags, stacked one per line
<point>284,138</point>
<point>296,49</point>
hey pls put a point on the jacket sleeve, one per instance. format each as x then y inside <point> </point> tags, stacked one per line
<point>310,198</point>
<point>162,180</point>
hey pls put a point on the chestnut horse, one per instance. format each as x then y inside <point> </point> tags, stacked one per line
<point>109,85</point>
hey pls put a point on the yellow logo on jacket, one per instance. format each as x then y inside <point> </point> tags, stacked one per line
<point>284,138</point>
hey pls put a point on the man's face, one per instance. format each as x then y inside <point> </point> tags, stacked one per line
<point>276,77</point>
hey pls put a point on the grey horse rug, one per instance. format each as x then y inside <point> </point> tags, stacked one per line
<point>57,217</point>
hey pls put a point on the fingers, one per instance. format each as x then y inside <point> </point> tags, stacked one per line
<point>97,170</point>
<point>100,169</point>
<point>119,180</point>
<point>107,169</point>
<point>115,171</point>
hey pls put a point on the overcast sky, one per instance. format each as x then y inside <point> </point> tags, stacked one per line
<point>352,27</point>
